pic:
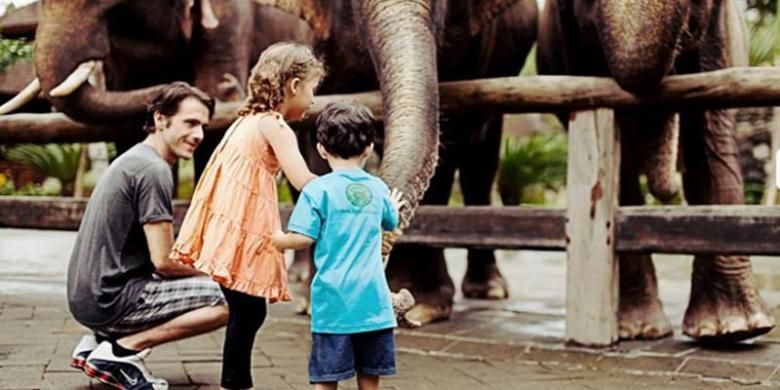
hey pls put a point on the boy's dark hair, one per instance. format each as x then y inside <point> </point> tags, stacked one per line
<point>167,102</point>
<point>345,129</point>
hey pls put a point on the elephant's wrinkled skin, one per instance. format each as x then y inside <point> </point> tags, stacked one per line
<point>641,43</point>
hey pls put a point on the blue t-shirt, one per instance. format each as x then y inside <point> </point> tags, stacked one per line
<point>345,212</point>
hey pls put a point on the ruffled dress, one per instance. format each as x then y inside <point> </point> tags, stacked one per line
<point>227,230</point>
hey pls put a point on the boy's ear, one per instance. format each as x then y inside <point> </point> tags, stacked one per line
<point>321,150</point>
<point>369,149</point>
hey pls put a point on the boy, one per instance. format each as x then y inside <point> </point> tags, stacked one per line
<point>344,212</point>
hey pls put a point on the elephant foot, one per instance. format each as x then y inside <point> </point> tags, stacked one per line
<point>643,321</point>
<point>640,312</point>
<point>301,298</point>
<point>425,313</point>
<point>298,272</point>
<point>724,306</point>
<point>301,266</point>
<point>494,288</point>
<point>483,280</point>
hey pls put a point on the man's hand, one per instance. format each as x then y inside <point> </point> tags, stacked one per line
<point>396,198</point>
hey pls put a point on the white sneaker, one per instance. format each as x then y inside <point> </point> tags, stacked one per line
<point>128,372</point>
<point>85,346</point>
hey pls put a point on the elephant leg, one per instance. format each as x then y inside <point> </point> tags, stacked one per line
<point>421,269</point>
<point>724,305</point>
<point>477,168</point>
<point>640,312</point>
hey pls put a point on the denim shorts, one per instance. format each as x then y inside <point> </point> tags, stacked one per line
<point>336,357</point>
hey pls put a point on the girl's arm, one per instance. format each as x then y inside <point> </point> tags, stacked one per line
<point>285,145</point>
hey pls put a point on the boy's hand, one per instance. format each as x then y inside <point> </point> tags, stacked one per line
<point>278,240</point>
<point>396,198</point>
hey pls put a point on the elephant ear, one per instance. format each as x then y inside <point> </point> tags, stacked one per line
<point>313,12</point>
<point>484,11</point>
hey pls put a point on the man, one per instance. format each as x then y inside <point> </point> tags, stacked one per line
<point>121,283</point>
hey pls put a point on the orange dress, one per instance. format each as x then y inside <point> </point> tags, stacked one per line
<point>234,211</point>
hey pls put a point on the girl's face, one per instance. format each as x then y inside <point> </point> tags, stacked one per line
<point>300,97</point>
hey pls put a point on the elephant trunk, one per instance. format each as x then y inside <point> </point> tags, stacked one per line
<point>402,46</point>
<point>640,39</point>
<point>71,33</point>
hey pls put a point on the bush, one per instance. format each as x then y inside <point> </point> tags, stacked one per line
<point>531,166</point>
<point>53,160</point>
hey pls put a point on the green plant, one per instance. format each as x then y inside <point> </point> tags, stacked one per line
<point>764,26</point>
<point>12,50</point>
<point>530,166</point>
<point>60,161</point>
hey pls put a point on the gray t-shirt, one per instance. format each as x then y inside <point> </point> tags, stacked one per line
<point>110,263</point>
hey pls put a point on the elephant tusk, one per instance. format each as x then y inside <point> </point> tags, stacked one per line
<point>74,81</point>
<point>208,19</point>
<point>25,95</point>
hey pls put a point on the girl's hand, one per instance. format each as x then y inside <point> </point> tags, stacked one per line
<point>396,198</point>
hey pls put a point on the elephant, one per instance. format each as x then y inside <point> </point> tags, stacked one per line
<point>469,43</point>
<point>638,43</point>
<point>145,44</point>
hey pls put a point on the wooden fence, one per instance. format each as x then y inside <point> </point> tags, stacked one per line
<point>592,229</point>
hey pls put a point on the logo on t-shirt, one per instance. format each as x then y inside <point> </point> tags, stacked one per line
<point>358,195</point>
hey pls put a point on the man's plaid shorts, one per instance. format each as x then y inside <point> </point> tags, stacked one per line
<point>165,299</point>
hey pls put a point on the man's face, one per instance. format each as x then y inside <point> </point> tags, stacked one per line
<point>183,131</point>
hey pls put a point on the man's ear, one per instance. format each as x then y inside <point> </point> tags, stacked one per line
<point>160,121</point>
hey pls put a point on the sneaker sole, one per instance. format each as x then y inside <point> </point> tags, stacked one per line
<point>102,376</point>
<point>78,363</point>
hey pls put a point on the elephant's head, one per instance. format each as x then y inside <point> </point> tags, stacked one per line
<point>641,39</point>
<point>401,38</point>
<point>73,33</point>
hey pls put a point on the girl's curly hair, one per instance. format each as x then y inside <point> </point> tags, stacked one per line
<point>278,64</point>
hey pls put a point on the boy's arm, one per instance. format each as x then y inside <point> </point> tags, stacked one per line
<point>295,241</point>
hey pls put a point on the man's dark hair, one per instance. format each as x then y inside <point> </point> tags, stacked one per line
<point>345,129</point>
<point>167,102</point>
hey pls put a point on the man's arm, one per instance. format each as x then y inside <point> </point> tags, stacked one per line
<point>293,241</point>
<point>159,238</point>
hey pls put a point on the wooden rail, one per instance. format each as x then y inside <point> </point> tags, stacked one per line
<point>733,87</point>
<point>667,229</point>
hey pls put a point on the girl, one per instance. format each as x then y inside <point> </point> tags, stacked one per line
<point>234,211</point>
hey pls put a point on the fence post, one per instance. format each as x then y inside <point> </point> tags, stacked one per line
<point>592,201</point>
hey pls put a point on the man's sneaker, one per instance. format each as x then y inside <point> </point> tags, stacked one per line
<point>127,372</point>
<point>85,346</point>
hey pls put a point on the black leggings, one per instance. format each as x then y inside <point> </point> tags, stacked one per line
<point>246,315</point>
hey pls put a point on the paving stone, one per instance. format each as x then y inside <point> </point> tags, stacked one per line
<point>203,373</point>
<point>174,373</point>
<point>59,380</point>
<point>753,353</point>
<point>19,377</point>
<point>488,351</point>
<point>404,340</point>
<point>728,369</point>
<point>640,363</point>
